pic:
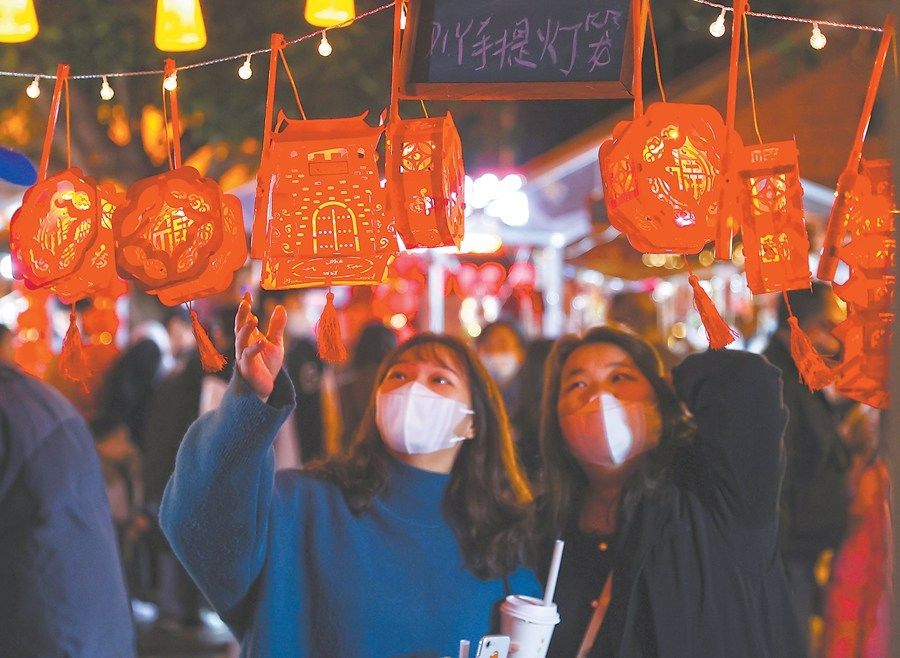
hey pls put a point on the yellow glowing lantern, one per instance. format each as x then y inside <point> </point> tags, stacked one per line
<point>18,22</point>
<point>179,26</point>
<point>328,13</point>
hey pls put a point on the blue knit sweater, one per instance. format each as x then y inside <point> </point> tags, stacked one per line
<point>294,572</point>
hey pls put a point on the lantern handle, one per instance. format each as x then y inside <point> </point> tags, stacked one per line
<point>739,8</point>
<point>62,77</point>
<point>174,145</point>
<point>887,36</point>
<point>639,10</point>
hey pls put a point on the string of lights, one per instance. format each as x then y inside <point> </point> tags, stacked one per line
<point>817,39</point>
<point>244,72</point>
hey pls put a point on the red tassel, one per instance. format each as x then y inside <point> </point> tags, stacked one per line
<point>718,331</point>
<point>72,364</point>
<point>210,358</point>
<point>328,332</point>
<point>814,372</point>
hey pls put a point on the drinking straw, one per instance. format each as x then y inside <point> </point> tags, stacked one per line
<point>550,590</point>
<point>463,649</point>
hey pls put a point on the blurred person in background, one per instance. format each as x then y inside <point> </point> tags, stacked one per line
<point>355,383</point>
<point>526,416</point>
<point>637,311</point>
<point>814,496</point>
<point>501,348</point>
<point>858,596</point>
<point>61,586</point>
<point>309,420</point>
<point>7,352</point>
<point>177,403</point>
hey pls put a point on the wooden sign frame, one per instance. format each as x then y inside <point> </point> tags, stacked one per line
<point>547,90</point>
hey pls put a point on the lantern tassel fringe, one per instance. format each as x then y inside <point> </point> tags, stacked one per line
<point>814,372</point>
<point>328,333</point>
<point>72,363</point>
<point>718,331</point>
<point>210,358</point>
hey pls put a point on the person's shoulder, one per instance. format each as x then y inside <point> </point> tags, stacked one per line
<point>26,398</point>
<point>307,485</point>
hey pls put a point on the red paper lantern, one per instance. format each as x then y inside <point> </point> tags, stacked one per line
<point>425,179</point>
<point>177,233</point>
<point>31,346</point>
<point>864,372</point>
<point>776,245</point>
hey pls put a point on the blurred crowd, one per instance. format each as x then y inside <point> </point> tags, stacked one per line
<point>834,519</point>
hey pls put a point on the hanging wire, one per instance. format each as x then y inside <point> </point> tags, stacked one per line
<point>750,80</point>
<point>794,19</point>
<point>662,91</point>
<point>210,62</point>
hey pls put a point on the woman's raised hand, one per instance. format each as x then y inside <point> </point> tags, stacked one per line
<point>259,356</point>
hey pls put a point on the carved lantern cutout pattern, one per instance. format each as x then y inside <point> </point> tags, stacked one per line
<point>863,252</point>
<point>662,177</point>
<point>776,245</point>
<point>425,181</point>
<point>326,222</point>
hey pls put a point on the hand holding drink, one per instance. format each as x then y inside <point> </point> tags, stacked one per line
<point>259,356</point>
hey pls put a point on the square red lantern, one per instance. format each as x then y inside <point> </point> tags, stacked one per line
<point>326,222</point>
<point>776,245</point>
<point>425,181</point>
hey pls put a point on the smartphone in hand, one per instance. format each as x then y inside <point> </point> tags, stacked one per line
<point>493,646</point>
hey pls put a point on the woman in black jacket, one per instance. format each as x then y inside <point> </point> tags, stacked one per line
<point>670,519</point>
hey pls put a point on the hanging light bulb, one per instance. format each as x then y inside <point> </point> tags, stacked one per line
<point>245,71</point>
<point>324,47</point>
<point>817,40</point>
<point>106,92</point>
<point>717,27</point>
<point>179,26</point>
<point>328,13</point>
<point>34,89</point>
<point>171,81</point>
<point>18,22</point>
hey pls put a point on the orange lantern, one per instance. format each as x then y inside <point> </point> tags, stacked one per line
<point>662,173</point>
<point>860,237</point>
<point>864,373</point>
<point>776,245</point>
<point>179,26</point>
<point>424,171</point>
<point>179,235</point>
<point>320,208</point>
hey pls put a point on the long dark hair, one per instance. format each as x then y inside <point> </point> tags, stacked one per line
<point>488,502</point>
<point>564,480</point>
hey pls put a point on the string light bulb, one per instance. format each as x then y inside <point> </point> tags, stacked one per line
<point>717,27</point>
<point>817,40</point>
<point>324,47</point>
<point>106,92</point>
<point>245,71</point>
<point>171,82</point>
<point>34,89</point>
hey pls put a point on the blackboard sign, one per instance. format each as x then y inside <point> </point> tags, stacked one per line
<point>517,49</point>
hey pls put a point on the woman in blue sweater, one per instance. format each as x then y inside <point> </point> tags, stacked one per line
<point>402,548</point>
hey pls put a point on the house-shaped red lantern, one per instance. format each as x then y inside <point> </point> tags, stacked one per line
<point>326,222</point>
<point>776,246</point>
<point>864,373</point>
<point>425,181</point>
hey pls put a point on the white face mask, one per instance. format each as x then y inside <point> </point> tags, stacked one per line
<point>501,366</point>
<point>608,431</point>
<point>415,420</point>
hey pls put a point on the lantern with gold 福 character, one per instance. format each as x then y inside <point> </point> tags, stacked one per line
<point>858,257</point>
<point>662,173</point>
<point>179,234</point>
<point>424,170</point>
<point>320,209</point>
<point>60,238</point>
